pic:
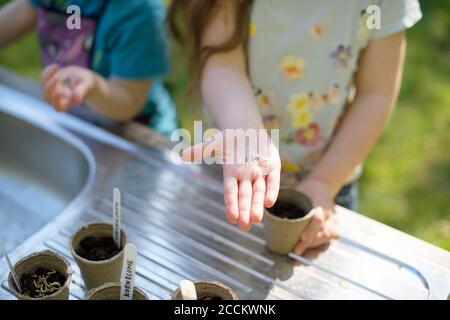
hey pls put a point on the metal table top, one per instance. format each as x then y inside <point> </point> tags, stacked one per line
<point>174,215</point>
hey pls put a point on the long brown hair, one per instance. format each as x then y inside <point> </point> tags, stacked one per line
<point>188,21</point>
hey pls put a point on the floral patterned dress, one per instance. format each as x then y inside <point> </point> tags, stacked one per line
<point>302,57</point>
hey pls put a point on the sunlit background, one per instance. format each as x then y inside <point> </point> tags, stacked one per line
<point>406,180</point>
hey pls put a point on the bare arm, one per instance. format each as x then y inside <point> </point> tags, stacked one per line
<point>16,18</point>
<point>228,96</point>
<point>225,85</point>
<point>378,83</point>
<point>115,98</point>
<point>119,99</point>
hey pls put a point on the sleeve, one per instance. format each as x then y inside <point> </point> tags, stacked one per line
<point>139,46</point>
<point>397,15</point>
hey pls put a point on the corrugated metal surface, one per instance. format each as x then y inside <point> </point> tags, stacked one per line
<point>175,217</point>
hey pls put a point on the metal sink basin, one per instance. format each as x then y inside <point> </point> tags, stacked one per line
<point>41,172</point>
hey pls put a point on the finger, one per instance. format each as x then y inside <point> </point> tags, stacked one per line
<point>329,232</point>
<point>304,245</point>
<point>272,188</point>
<point>330,228</point>
<point>230,187</point>
<point>80,92</point>
<point>329,211</point>
<point>64,104</point>
<point>322,237</point>
<point>316,223</point>
<point>61,97</point>
<point>49,88</point>
<point>300,248</point>
<point>334,227</point>
<point>245,199</point>
<point>196,152</point>
<point>257,210</point>
<point>61,101</point>
<point>49,72</point>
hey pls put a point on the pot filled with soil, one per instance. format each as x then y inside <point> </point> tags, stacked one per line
<point>286,220</point>
<point>97,255</point>
<point>43,276</point>
<point>111,291</point>
<point>209,290</point>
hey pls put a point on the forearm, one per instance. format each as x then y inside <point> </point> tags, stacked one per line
<point>229,99</point>
<point>16,18</point>
<point>115,100</point>
<point>356,136</point>
<point>378,83</point>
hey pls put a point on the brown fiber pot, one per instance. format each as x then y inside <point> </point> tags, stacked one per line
<point>44,259</point>
<point>97,273</point>
<point>282,234</point>
<point>111,291</point>
<point>206,288</point>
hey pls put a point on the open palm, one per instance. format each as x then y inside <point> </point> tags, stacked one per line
<point>248,186</point>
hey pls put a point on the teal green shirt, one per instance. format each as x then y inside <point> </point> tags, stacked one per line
<point>130,43</point>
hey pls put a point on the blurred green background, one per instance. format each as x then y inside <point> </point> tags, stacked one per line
<point>406,181</point>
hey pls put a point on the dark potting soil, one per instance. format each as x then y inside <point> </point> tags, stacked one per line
<point>287,210</point>
<point>97,248</point>
<point>43,282</point>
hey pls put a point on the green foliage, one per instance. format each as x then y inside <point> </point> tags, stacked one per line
<point>406,181</point>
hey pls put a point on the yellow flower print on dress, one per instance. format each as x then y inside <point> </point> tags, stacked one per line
<point>315,100</point>
<point>363,31</point>
<point>251,29</point>
<point>333,94</point>
<point>301,119</point>
<point>292,68</point>
<point>298,102</point>
<point>288,165</point>
<point>310,136</point>
<point>299,110</point>
<point>266,99</point>
<point>317,31</point>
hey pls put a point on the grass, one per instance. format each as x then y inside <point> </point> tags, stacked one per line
<point>406,181</point>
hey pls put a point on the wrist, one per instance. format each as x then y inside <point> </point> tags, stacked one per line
<point>94,89</point>
<point>95,83</point>
<point>330,187</point>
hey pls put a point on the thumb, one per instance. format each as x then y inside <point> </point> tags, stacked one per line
<point>199,151</point>
<point>49,72</point>
<point>80,92</point>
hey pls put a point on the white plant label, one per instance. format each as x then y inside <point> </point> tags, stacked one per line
<point>128,272</point>
<point>188,291</point>
<point>13,272</point>
<point>116,217</point>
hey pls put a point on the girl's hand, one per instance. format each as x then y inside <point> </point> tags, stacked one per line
<point>248,187</point>
<point>68,86</point>
<point>323,226</point>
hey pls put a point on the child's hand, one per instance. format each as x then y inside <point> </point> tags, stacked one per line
<point>323,226</point>
<point>248,187</point>
<point>68,86</point>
